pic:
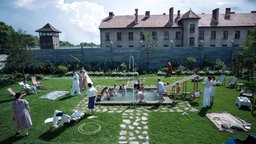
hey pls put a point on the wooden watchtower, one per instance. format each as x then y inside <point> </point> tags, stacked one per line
<point>49,37</point>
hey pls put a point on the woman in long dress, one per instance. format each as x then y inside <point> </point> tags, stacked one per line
<point>21,114</point>
<point>84,77</point>
<point>207,92</point>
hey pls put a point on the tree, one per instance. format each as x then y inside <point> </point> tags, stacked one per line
<point>91,44</point>
<point>249,53</point>
<point>12,44</point>
<point>65,44</point>
<point>6,33</point>
<point>150,45</point>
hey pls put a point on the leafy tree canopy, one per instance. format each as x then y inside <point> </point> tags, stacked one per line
<point>12,44</point>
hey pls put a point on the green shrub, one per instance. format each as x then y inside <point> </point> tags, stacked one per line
<point>219,65</point>
<point>190,61</point>
<point>123,67</point>
<point>39,76</point>
<point>38,68</point>
<point>62,69</point>
<point>7,80</point>
<point>164,69</point>
<point>49,68</point>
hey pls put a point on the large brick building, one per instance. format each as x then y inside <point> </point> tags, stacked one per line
<point>176,30</point>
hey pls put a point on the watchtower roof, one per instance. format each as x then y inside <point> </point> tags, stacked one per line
<point>48,28</point>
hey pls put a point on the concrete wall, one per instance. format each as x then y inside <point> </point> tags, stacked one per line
<point>157,59</point>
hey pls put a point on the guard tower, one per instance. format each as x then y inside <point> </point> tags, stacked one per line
<point>49,37</point>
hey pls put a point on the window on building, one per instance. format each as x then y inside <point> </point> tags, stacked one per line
<point>154,35</point>
<point>236,45</point>
<point>131,46</point>
<point>130,35</point>
<point>178,35</point>
<point>107,36</point>
<point>142,36</point>
<point>166,45</point>
<point>213,35</point>
<point>201,35</point>
<point>224,45</point>
<point>191,41</point>
<point>237,35</point>
<point>225,35</point>
<point>192,28</point>
<point>212,45</point>
<point>119,45</point>
<point>166,35</point>
<point>118,36</point>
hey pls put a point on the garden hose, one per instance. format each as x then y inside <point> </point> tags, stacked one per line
<point>80,128</point>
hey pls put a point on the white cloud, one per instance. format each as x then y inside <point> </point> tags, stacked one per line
<point>34,4</point>
<point>219,3</point>
<point>80,20</point>
<point>22,3</point>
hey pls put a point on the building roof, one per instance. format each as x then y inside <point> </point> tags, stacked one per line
<point>156,21</point>
<point>189,15</point>
<point>48,28</point>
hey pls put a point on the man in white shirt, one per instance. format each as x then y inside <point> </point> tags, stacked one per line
<point>75,85</point>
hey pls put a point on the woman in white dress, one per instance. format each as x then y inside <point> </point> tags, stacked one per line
<point>207,92</point>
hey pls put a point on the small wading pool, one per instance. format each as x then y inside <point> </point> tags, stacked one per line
<point>150,95</point>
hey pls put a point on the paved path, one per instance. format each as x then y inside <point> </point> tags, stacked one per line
<point>134,126</point>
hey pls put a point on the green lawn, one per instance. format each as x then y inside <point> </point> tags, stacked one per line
<point>164,127</point>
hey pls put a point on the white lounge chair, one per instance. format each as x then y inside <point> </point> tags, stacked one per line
<point>232,82</point>
<point>221,80</point>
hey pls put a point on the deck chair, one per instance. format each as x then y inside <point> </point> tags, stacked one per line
<point>36,83</point>
<point>221,80</point>
<point>232,82</point>
<point>11,91</point>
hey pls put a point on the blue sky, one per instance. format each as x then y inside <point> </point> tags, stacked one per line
<point>78,20</point>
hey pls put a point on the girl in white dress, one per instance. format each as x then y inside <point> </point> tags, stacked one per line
<point>207,92</point>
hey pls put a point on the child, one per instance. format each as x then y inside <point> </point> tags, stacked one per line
<point>115,90</point>
<point>177,91</point>
<point>123,90</point>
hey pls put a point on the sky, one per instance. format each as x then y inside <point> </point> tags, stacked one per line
<point>79,20</point>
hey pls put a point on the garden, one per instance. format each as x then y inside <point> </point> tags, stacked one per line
<point>184,123</point>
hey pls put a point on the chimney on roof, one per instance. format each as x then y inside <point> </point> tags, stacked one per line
<point>215,16</point>
<point>136,16</point>
<point>178,16</point>
<point>110,14</point>
<point>171,16</point>
<point>147,14</point>
<point>227,13</point>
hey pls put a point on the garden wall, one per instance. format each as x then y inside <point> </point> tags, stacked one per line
<point>157,58</point>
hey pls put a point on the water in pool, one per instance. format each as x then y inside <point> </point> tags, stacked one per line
<point>150,95</point>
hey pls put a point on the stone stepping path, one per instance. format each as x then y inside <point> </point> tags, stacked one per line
<point>134,128</point>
